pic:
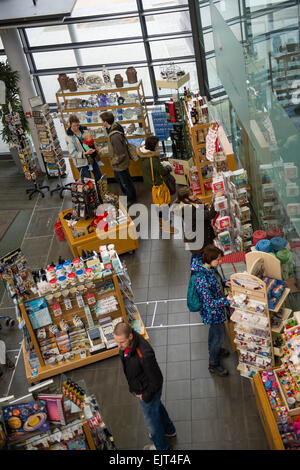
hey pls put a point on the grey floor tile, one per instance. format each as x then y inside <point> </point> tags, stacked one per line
<point>160,256</point>
<point>178,390</point>
<point>179,410</point>
<point>158,267</point>
<point>204,408</point>
<point>140,295</point>
<point>42,223</point>
<point>160,320</point>
<point>258,444</point>
<point>162,308</point>
<point>177,292</point>
<point>157,293</point>
<point>158,337</point>
<point>178,352</point>
<point>199,333</point>
<point>195,319</point>
<point>229,386</point>
<point>178,318</point>
<point>199,351</point>
<point>159,280</point>
<point>204,430</point>
<point>228,407</point>
<point>161,354</point>
<point>203,388</point>
<point>254,427</point>
<point>199,369</point>
<point>36,251</point>
<point>139,282</point>
<point>178,306</point>
<point>59,248</point>
<point>178,370</point>
<point>180,335</point>
<point>231,429</point>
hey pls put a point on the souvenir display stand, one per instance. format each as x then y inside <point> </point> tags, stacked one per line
<point>127,103</point>
<point>204,169</point>
<point>252,328</point>
<point>82,355</point>
<point>123,236</point>
<point>26,156</point>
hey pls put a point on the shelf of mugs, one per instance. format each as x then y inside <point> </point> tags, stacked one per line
<point>128,87</point>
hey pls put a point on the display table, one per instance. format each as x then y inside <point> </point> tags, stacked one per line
<point>266,414</point>
<point>123,236</point>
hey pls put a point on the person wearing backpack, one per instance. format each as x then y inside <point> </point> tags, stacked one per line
<point>145,382</point>
<point>207,287</point>
<point>119,155</point>
<point>154,171</point>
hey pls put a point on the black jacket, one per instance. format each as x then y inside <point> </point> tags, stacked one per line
<point>143,374</point>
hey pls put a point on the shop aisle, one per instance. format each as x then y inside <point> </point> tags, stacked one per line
<point>209,412</point>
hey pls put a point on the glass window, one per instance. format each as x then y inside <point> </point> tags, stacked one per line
<point>205,16</point>
<point>189,67</point>
<point>162,3</point>
<point>228,9</point>
<point>48,35</point>
<point>48,60</point>
<point>100,7</point>
<point>113,54</point>
<point>172,48</point>
<point>236,29</point>
<point>208,42</point>
<point>168,23</point>
<point>212,73</point>
<point>108,29</point>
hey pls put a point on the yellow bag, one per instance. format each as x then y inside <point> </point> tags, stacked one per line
<point>160,194</point>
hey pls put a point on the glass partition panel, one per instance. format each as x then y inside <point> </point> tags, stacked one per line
<point>168,23</point>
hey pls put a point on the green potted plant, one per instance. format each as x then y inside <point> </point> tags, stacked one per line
<point>12,101</point>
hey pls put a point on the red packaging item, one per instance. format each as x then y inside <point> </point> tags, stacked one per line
<point>91,300</point>
<point>259,235</point>
<point>171,107</point>
<point>56,308</point>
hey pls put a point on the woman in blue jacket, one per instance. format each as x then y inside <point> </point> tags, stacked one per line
<point>210,288</point>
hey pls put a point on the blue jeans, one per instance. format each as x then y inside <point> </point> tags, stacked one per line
<point>158,422</point>
<point>127,186</point>
<point>85,172</point>
<point>216,337</point>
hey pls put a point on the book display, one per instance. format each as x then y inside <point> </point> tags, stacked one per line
<point>128,105</point>
<point>22,145</point>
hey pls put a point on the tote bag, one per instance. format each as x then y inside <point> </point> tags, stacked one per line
<point>161,193</point>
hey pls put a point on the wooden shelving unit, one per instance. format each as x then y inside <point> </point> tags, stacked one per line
<point>140,106</point>
<point>197,134</point>
<point>45,370</point>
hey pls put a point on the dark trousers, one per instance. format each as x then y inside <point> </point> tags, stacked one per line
<point>216,337</point>
<point>127,186</point>
<point>158,422</point>
<point>85,171</point>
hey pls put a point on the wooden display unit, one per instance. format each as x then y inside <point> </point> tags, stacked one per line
<point>173,84</point>
<point>140,106</point>
<point>119,236</point>
<point>45,370</point>
<point>241,284</point>
<point>266,414</point>
<point>197,134</point>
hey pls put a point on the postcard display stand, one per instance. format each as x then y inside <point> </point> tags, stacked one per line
<point>233,226</point>
<point>253,336</point>
<point>22,144</point>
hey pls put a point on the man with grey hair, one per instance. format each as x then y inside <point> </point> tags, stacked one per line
<point>145,381</point>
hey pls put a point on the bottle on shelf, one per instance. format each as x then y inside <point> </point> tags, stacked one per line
<point>171,106</point>
<point>194,116</point>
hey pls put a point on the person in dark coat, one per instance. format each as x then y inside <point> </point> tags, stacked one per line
<point>185,196</point>
<point>119,155</point>
<point>145,381</point>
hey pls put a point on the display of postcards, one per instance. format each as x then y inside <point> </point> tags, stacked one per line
<point>24,420</point>
<point>38,313</point>
<point>268,191</point>
<point>266,173</point>
<point>107,332</point>
<point>292,190</point>
<point>38,120</point>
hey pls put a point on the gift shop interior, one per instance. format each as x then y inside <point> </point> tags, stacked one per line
<point>218,84</point>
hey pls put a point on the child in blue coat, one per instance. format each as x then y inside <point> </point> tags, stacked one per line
<point>210,288</point>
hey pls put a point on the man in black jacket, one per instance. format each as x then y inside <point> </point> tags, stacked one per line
<point>145,381</point>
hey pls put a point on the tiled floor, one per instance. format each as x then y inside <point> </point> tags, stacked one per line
<point>209,412</point>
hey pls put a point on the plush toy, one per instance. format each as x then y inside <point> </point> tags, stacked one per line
<point>99,222</point>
